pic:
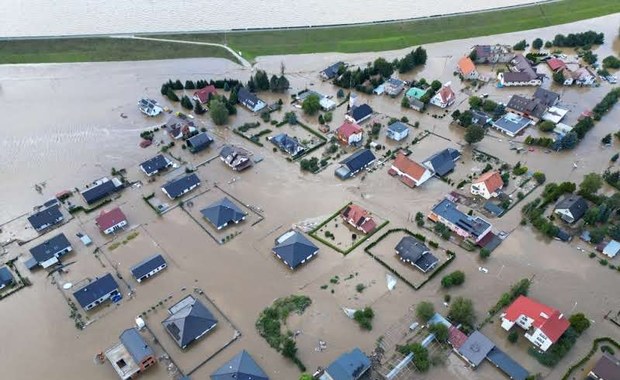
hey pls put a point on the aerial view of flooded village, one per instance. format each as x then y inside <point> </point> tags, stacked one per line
<point>335,190</point>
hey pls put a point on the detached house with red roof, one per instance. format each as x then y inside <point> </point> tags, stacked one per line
<point>445,97</point>
<point>467,68</point>
<point>350,133</point>
<point>359,218</point>
<point>488,185</point>
<point>409,172</point>
<point>204,94</point>
<point>544,325</point>
<point>111,221</point>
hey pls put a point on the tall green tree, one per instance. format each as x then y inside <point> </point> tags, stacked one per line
<point>311,105</point>
<point>537,43</point>
<point>261,81</point>
<point>474,134</point>
<point>425,311</point>
<point>462,311</point>
<point>218,111</point>
<point>579,322</point>
<point>591,184</point>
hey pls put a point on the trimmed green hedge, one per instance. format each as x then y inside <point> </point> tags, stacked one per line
<point>247,138</point>
<point>589,355</point>
<point>91,209</point>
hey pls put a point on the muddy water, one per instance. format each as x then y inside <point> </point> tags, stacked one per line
<point>98,17</point>
<point>77,133</point>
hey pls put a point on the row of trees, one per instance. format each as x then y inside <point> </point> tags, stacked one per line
<point>579,39</point>
<point>261,82</point>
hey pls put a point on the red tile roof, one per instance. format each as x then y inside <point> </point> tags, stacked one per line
<point>466,65</point>
<point>409,167</point>
<point>109,219</point>
<point>446,94</point>
<point>347,129</point>
<point>456,337</point>
<point>359,217</point>
<point>549,320</point>
<point>556,64</point>
<point>492,180</point>
<point>203,93</point>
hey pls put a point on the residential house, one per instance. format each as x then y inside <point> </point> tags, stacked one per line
<point>6,277</point>
<point>394,86</point>
<point>414,96</point>
<point>155,165</point>
<point>149,107</point>
<point>199,142</point>
<point>241,367</point>
<point>189,321</point>
<point>397,131</point>
<point>522,73</point>
<point>583,77</point>
<point>350,133</point>
<point>544,325</point>
<point>148,267</point>
<point>531,108</point>
<point>180,186</point>
<point>359,113</point>
<point>179,126</point>
<point>222,213</point>
<point>475,348</point>
<point>554,114</point>
<point>412,251</point>
<point>327,104</point>
<point>111,221</point>
<point>348,366</point>
<point>131,356</point>
<point>445,97</point>
<point>556,64</point>
<point>546,98</point>
<point>511,124</point>
<point>288,144</point>
<point>359,218</point>
<point>571,208</point>
<point>442,162</point>
<point>236,158</point>
<point>409,172</point>
<point>466,226</point>
<point>606,368</point>
<point>491,54</point>
<point>467,69</point>
<point>480,118</point>
<point>294,249</point>
<point>98,291</point>
<point>355,163</point>
<point>46,217</point>
<point>611,249</point>
<point>331,71</point>
<point>488,185</point>
<point>100,189</point>
<point>250,101</point>
<point>203,95</point>
<point>47,253</point>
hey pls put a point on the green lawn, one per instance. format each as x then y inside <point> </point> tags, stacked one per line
<point>349,39</point>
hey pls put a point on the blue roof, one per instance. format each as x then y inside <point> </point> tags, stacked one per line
<point>223,212</point>
<point>199,142</point>
<point>135,345</point>
<point>177,187</point>
<point>50,248</point>
<point>241,367</point>
<point>442,162</point>
<point>507,365</point>
<point>294,248</point>
<point>476,347</point>
<point>288,144</point>
<point>95,290</point>
<point>147,265</point>
<point>331,71</point>
<point>155,164</point>
<point>45,218</point>
<point>98,192</point>
<point>349,366</point>
<point>189,323</point>
<point>512,123</point>
<point>360,112</point>
<point>6,277</point>
<point>359,160</point>
<point>398,127</point>
<point>473,225</point>
<point>494,209</point>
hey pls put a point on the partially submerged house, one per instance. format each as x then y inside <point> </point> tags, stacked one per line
<point>442,163</point>
<point>6,277</point>
<point>358,114</point>
<point>583,76</point>
<point>241,367</point>
<point>480,118</point>
<point>155,165</point>
<point>249,100</point>
<point>189,321</point>
<point>466,226</point>
<point>571,208</point>
<point>47,253</point>
<point>475,348</point>
<point>348,366</point>
<point>111,221</point>
<point>223,213</point>
<point>199,142</point>
<point>445,97</point>
<point>236,158</point>
<point>488,185</point>
<point>414,96</point>
<point>149,107</point>
<point>394,86</point>
<point>181,186</point>
<point>611,249</point>
<point>491,54</point>
<point>546,97</point>
<point>511,124</point>
<point>100,189</point>
<point>397,131</point>
<point>606,368</point>
<point>522,73</point>
<point>359,218</point>
<point>543,324</point>
<point>46,217</point>
<point>131,356</point>
<point>355,163</point>
<point>349,133</point>
<point>148,267</point>
<point>409,172</point>
<point>98,291</point>
<point>556,64</point>
<point>331,72</point>
<point>533,109</point>
<point>179,127</point>
<point>554,114</point>
<point>288,144</point>
<point>412,251</point>
<point>467,69</point>
<point>203,95</point>
<point>294,249</point>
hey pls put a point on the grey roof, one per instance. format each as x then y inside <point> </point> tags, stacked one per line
<point>415,252</point>
<point>135,345</point>
<point>607,368</point>
<point>476,348</point>
<point>223,212</point>
<point>199,142</point>
<point>189,323</point>
<point>147,265</point>
<point>524,68</point>
<point>155,164</point>
<point>45,218</point>
<point>575,204</point>
<point>447,209</point>
<point>494,209</point>
<point>349,366</point>
<point>528,107</point>
<point>98,192</point>
<point>563,235</point>
<point>235,157</point>
<point>397,127</point>
<point>50,248</point>
<point>546,97</point>
<point>6,278</point>
<point>360,112</point>
<point>241,367</point>
<point>332,70</point>
<point>512,123</point>
<point>507,365</point>
<point>288,144</point>
<point>247,98</point>
<point>442,162</point>
<point>95,290</point>
<point>480,118</point>
<point>176,188</point>
<point>294,248</point>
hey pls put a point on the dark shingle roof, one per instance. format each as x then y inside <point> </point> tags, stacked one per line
<point>442,162</point>
<point>135,345</point>
<point>50,248</point>
<point>294,248</point>
<point>45,218</point>
<point>147,265</point>
<point>360,112</point>
<point>287,143</point>
<point>155,164</point>
<point>476,347</point>
<point>176,188</point>
<point>473,225</point>
<point>95,290</point>
<point>6,277</point>
<point>349,366</point>
<point>546,97</point>
<point>575,204</point>
<point>241,367</point>
<point>199,142</point>
<point>527,106</point>
<point>507,365</point>
<point>414,251</point>
<point>358,160</point>
<point>247,98</point>
<point>331,71</point>
<point>223,212</point>
<point>100,191</point>
<point>189,323</point>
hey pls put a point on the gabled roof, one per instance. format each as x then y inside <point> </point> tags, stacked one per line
<point>349,366</point>
<point>287,143</point>
<point>448,210</point>
<point>607,368</point>
<point>466,65</point>
<point>95,290</point>
<point>332,70</point>
<point>492,181</point>
<point>443,162</point>
<point>347,129</point>
<point>476,348</point>
<point>360,112</point>
<point>446,94</point>
<point>147,265</point>
<point>532,107</point>
<point>456,337</point>
<point>247,98</point>
<point>49,248</point>
<point>199,142</point>
<point>415,252</point>
<point>46,217</point>
<point>416,92</point>
<point>293,247</point>
<point>108,219</point>
<point>241,367</point>
<point>135,345</point>
<point>203,93</point>
<point>235,157</point>
<point>575,204</point>
<point>359,159</point>
<point>549,320</point>
<point>155,164</point>
<point>546,97</point>
<point>190,322</point>
<point>359,217</point>
<point>103,188</point>
<point>409,167</point>
<point>612,249</point>
<point>5,276</point>
<point>176,187</point>
<point>556,64</point>
<point>223,212</point>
